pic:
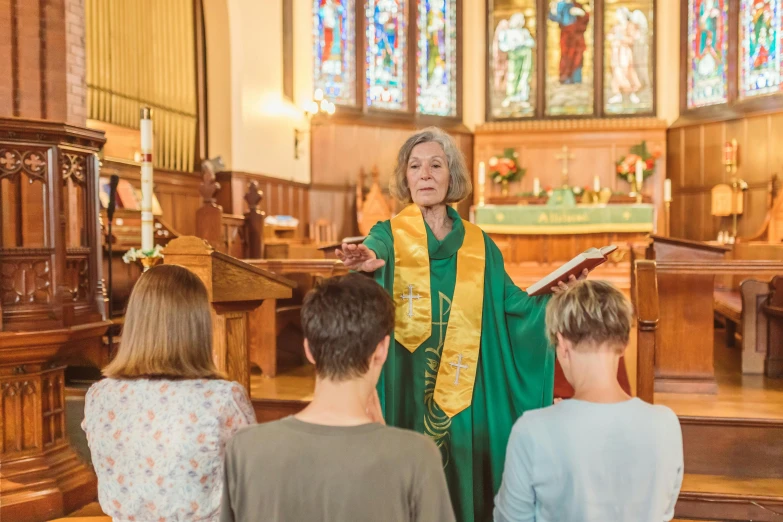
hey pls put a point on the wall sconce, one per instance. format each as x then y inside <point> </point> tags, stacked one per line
<point>317,105</point>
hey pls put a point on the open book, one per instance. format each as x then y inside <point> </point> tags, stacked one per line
<point>588,259</point>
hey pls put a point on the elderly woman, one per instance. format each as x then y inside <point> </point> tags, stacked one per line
<point>469,353</point>
<point>600,455</point>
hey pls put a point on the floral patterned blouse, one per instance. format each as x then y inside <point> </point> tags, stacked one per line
<point>157,445</point>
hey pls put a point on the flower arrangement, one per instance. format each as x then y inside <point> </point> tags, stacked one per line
<point>504,169</point>
<point>626,166</point>
<point>147,259</point>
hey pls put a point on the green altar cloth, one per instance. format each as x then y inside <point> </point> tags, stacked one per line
<point>579,219</point>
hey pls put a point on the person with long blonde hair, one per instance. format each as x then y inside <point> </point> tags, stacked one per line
<point>157,425</point>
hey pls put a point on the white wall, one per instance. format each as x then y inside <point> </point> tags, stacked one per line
<point>250,123</point>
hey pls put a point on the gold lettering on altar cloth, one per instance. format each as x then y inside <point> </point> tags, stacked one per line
<point>560,218</point>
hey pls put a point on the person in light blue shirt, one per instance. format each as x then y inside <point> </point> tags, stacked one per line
<point>602,455</point>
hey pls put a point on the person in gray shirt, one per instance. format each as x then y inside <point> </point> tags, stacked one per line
<point>337,460</point>
<point>601,455</point>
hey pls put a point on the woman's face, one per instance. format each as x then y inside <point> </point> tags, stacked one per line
<point>428,174</point>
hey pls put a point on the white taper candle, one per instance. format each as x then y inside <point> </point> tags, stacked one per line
<point>146,180</point>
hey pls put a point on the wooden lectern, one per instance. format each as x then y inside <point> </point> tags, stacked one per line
<point>235,289</point>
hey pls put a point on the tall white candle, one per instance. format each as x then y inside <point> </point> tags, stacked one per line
<point>146,180</point>
<point>536,187</point>
<point>639,175</point>
<point>482,173</point>
<point>596,184</point>
<point>667,190</point>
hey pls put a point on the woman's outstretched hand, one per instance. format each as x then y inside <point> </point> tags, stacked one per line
<point>571,280</point>
<point>359,257</point>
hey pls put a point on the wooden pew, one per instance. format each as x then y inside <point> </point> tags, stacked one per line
<point>647,316</point>
<point>728,298</point>
<point>684,362</point>
<point>236,235</point>
<point>275,326</point>
<point>773,310</point>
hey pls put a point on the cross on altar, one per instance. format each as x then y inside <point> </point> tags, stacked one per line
<point>564,157</point>
<point>459,366</point>
<point>410,297</point>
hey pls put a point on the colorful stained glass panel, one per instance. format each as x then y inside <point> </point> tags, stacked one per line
<point>386,49</point>
<point>708,45</point>
<point>759,53</point>
<point>334,37</point>
<point>628,57</point>
<point>512,68</point>
<point>437,58</point>
<point>569,58</point>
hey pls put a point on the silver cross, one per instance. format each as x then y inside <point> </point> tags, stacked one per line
<point>410,297</point>
<point>458,365</point>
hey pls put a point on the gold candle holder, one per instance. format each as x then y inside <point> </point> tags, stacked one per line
<point>667,215</point>
<point>149,262</point>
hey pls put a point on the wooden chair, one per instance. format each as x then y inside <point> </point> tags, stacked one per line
<point>771,231</point>
<point>372,208</point>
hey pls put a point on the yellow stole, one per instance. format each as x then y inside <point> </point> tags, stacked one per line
<point>412,296</point>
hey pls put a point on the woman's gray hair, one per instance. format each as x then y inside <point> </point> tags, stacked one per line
<point>460,185</point>
<point>590,314</point>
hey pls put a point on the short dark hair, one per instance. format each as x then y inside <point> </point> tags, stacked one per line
<point>343,319</point>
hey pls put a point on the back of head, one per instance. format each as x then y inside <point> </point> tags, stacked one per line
<point>168,328</point>
<point>590,314</point>
<point>343,320</point>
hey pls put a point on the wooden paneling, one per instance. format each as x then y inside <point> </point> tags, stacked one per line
<point>279,196</point>
<point>341,150</point>
<point>177,192</point>
<point>694,159</point>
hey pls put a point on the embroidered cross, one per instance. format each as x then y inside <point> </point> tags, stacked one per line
<point>410,297</point>
<point>459,366</point>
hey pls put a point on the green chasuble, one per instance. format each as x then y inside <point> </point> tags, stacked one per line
<point>515,371</point>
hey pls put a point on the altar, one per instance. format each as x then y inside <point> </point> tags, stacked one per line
<point>544,234</point>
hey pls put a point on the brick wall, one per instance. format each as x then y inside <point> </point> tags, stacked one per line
<point>42,50</point>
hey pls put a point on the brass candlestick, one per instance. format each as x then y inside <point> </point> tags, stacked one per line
<point>667,216</point>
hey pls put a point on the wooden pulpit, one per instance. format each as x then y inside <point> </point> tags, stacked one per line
<point>235,288</point>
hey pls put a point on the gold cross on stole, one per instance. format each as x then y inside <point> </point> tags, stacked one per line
<point>459,366</point>
<point>410,297</point>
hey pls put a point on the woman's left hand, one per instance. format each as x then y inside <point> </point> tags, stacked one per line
<point>571,280</point>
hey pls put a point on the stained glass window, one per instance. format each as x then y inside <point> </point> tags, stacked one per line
<point>512,67</point>
<point>759,55</point>
<point>569,58</point>
<point>708,45</point>
<point>386,49</point>
<point>628,57</point>
<point>437,57</point>
<point>334,37</point>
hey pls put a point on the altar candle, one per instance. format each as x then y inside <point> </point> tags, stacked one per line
<point>596,184</point>
<point>482,173</point>
<point>146,180</point>
<point>667,190</point>
<point>536,187</point>
<point>639,175</point>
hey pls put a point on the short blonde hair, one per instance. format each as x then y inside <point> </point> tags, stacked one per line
<point>167,330</point>
<point>460,185</point>
<point>590,314</point>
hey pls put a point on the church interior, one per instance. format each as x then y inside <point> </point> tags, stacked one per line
<point>246,140</point>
